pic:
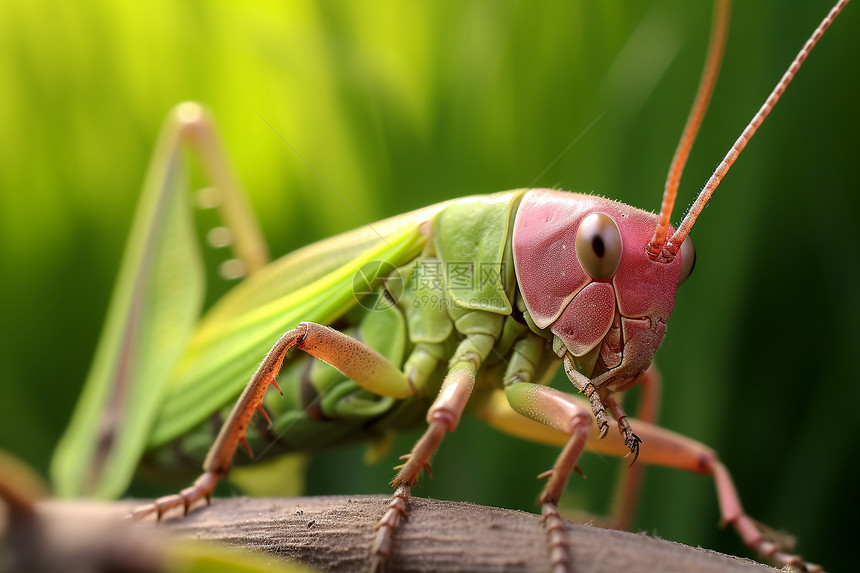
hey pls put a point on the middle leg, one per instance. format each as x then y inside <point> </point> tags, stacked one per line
<point>442,417</point>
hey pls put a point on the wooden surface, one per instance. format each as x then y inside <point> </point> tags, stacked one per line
<point>334,533</point>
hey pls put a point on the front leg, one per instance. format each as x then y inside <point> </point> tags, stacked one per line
<point>560,412</point>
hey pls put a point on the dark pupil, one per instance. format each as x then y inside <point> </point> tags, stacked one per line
<point>598,246</point>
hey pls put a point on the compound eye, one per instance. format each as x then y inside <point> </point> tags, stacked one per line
<point>598,246</point>
<point>688,259</point>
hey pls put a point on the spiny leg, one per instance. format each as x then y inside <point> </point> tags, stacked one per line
<point>551,494</point>
<point>362,364</point>
<point>527,354</point>
<point>560,411</point>
<point>442,417</point>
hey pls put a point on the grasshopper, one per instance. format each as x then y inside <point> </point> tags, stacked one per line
<point>473,302</point>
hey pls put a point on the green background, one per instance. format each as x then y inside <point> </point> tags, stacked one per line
<point>400,105</point>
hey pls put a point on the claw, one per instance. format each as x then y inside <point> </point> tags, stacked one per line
<point>633,443</point>
<point>603,426</point>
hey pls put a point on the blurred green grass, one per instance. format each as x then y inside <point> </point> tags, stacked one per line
<point>399,105</point>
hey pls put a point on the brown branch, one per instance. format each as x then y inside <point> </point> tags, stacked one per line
<point>334,533</point>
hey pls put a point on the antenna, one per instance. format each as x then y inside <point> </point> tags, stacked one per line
<point>674,244</point>
<point>716,47</point>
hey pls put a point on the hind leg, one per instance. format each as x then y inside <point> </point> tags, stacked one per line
<point>355,359</point>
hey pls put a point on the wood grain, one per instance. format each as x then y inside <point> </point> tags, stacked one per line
<point>334,533</point>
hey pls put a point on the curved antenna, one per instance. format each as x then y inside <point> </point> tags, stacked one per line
<point>716,47</point>
<point>674,244</point>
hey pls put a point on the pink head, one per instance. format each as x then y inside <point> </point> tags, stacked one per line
<point>585,276</point>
